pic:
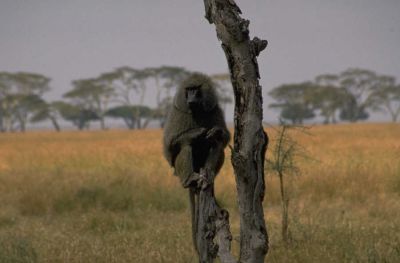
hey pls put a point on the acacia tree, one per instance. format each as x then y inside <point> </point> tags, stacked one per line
<point>130,86</point>
<point>295,101</point>
<point>48,111</point>
<point>328,97</point>
<point>250,142</point>
<point>91,95</point>
<point>20,95</point>
<point>24,106</point>
<point>358,84</point>
<point>385,96</point>
<point>78,116</point>
<point>128,114</point>
<point>130,89</point>
<point>4,90</point>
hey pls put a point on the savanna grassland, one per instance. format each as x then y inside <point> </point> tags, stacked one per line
<point>109,196</point>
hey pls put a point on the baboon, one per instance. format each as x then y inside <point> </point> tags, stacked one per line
<point>195,136</point>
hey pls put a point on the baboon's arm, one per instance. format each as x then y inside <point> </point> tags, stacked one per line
<point>184,138</point>
<point>219,136</point>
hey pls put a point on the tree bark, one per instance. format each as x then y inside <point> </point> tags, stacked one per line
<point>212,225</point>
<point>250,140</point>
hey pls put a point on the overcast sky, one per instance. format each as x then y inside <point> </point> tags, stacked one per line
<point>73,39</point>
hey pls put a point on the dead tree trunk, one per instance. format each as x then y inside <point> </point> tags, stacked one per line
<point>250,140</point>
<point>212,225</point>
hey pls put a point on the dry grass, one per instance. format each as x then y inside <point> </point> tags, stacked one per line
<point>110,197</point>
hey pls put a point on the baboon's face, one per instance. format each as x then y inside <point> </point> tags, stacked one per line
<point>194,97</point>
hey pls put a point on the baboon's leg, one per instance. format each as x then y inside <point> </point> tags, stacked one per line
<point>215,160</point>
<point>194,210</point>
<point>185,170</point>
<point>184,167</point>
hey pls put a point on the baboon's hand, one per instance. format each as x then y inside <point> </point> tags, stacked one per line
<point>214,133</point>
<point>188,136</point>
<point>197,132</point>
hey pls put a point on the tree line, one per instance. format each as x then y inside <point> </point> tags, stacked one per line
<point>118,94</point>
<point>350,96</point>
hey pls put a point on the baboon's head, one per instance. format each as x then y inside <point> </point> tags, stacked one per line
<point>196,94</point>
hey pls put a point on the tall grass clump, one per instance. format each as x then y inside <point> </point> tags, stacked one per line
<point>15,249</point>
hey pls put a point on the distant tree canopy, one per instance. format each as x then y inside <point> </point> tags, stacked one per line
<point>350,95</point>
<point>91,95</point>
<point>118,94</point>
<point>78,116</point>
<point>295,101</point>
<point>20,96</point>
<point>130,114</point>
<point>385,96</point>
<point>121,94</point>
<point>130,86</point>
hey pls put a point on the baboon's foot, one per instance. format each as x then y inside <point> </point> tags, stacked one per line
<point>191,181</point>
<point>204,179</point>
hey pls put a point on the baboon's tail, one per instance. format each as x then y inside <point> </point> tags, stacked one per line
<point>194,210</point>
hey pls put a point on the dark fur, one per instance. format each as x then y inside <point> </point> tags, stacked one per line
<point>195,139</point>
